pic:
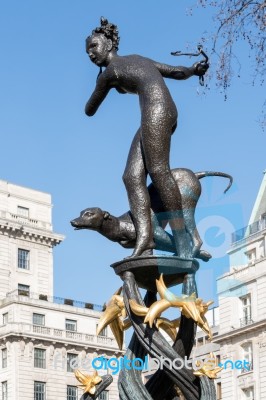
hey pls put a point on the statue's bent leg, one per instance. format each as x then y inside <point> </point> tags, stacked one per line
<point>135,181</point>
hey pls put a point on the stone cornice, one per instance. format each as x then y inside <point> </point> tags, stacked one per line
<point>28,198</point>
<point>26,232</point>
<point>50,305</point>
<point>53,335</point>
<point>240,331</point>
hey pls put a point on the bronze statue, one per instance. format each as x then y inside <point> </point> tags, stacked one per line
<point>149,152</point>
<point>170,198</point>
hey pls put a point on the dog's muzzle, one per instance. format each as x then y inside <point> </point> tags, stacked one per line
<point>76,224</point>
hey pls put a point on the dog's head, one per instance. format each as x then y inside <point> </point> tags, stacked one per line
<point>90,218</point>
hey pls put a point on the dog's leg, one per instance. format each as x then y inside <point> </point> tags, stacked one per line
<point>189,216</point>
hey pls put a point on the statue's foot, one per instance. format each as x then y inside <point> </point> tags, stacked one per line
<point>148,252</point>
<point>141,250</point>
<point>202,255</point>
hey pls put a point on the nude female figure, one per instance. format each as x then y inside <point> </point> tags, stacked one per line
<point>149,152</point>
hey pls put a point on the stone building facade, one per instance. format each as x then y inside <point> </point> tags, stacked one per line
<point>242,298</point>
<point>42,337</point>
<point>239,323</point>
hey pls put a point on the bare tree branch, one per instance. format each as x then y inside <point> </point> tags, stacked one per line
<point>236,21</point>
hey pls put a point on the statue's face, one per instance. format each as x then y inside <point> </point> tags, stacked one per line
<point>98,48</point>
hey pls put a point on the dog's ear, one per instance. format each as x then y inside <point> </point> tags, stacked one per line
<point>106,215</point>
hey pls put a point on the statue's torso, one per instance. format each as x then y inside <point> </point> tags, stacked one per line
<point>139,75</point>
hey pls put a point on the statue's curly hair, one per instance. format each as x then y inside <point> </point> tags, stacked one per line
<point>109,30</point>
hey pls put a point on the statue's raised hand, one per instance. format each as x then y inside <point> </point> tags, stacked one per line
<point>200,68</point>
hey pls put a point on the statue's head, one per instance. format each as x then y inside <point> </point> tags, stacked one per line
<point>102,41</point>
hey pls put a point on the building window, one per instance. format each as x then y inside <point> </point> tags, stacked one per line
<point>248,393</point>
<point>104,395</point>
<point>246,310</point>
<point>218,359</point>
<point>23,290</point>
<point>247,357</point>
<point>4,390</point>
<point>5,318</point>
<point>39,390</point>
<point>39,358</point>
<point>251,255</point>
<point>263,221</point>
<point>38,319</point>
<point>200,341</point>
<point>72,362</point>
<point>219,391</point>
<point>72,393</point>
<point>4,358</point>
<point>103,332</point>
<point>23,259</point>
<point>71,325</point>
<point>23,212</point>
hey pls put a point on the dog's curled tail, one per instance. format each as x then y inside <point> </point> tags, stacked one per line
<point>202,174</point>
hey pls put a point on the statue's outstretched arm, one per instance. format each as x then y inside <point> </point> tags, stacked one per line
<point>169,71</point>
<point>100,92</point>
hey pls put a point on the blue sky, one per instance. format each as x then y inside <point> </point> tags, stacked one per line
<point>48,143</point>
